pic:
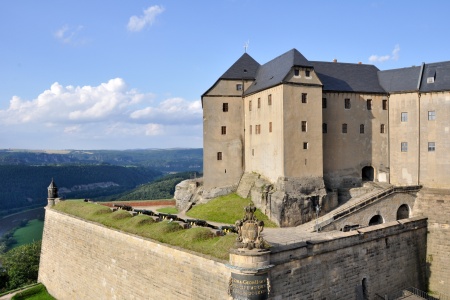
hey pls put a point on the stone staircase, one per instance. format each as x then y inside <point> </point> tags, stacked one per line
<point>246,183</point>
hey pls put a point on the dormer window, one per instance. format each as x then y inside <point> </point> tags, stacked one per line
<point>238,87</point>
<point>307,73</point>
<point>296,72</point>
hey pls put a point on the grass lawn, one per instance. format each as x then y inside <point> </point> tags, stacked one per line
<point>38,292</point>
<point>226,209</point>
<point>168,210</point>
<point>28,234</point>
<point>197,239</point>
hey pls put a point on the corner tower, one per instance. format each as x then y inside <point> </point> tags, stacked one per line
<point>223,126</point>
<point>52,193</point>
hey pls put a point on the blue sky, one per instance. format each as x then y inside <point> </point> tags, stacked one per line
<point>129,74</point>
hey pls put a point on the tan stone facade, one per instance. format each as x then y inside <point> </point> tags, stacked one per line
<point>357,123</point>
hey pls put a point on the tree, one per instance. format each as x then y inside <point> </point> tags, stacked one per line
<point>21,265</point>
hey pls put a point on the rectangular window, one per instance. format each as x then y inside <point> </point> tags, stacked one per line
<point>324,128</point>
<point>304,126</point>
<point>369,104</point>
<point>270,126</point>
<point>361,128</point>
<point>219,155</point>
<point>253,152</point>
<point>259,102</point>
<point>225,107</point>
<point>347,103</point>
<point>384,104</point>
<point>404,117</point>
<point>296,72</point>
<point>238,87</point>
<point>305,145</point>
<point>404,147</point>
<point>304,97</point>
<point>250,129</point>
<point>344,128</point>
<point>257,129</point>
<point>250,105</point>
<point>307,73</point>
<point>224,130</point>
<point>382,128</point>
<point>431,146</point>
<point>324,102</point>
<point>431,115</point>
<point>269,99</point>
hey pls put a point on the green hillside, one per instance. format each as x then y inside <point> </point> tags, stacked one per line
<point>162,188</point>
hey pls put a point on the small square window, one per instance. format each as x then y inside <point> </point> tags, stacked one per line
<point>269,99</point>
<point>324,128</point>
<point>347,103</point>
<point>225,107</point>
<point>344,128</point>
<point>296,72</point>
<point>250,105</point>
<point>238,87</point>
<point>270,126</point>
<point>404,146</point>
<point>369,104</point>
<point>224,130</point>
<point>431,146</point>
<point>324,102</point>
<point>219,155</point>
<point>431,115</point>
<point>404,117</point>
<point>307,73</point>
<point>304,126</point>
<point>382,128</point>
<point>305,145</point>
<point>259,102</point>
<point>384,104</point>
<point>304,97</point>
<point>361,128</point>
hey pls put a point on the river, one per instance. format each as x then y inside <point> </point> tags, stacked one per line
<point>9,222</point>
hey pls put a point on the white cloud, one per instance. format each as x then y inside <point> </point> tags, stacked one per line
<point>70,35</point>
<point>137,23</point>
<point>109,111</point>
<point>393,56</point>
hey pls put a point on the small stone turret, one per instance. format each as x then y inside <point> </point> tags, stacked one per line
<point>52,194</point>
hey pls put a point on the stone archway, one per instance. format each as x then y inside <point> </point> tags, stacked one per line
<point>375,220</point>
<point>367,173</point>
<point>403,212</point>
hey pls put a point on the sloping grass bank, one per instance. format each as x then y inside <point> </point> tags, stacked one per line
<point>197,239</point>
<point>226,209</point>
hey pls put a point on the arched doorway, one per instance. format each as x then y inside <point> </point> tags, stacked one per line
<point>375,220</point>
<point>367,173</point>
<point>403,212</point>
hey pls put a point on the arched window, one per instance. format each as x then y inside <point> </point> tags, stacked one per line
<point>403,212</point>
<point>375,220</point>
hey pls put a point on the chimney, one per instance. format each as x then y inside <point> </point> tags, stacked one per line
<point>335,60</point>
<point>359,63</point>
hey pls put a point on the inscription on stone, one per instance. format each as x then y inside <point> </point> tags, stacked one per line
<point>249,287</point>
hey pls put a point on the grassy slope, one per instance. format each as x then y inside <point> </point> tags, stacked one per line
<point>226,209</point>
<point>37,292</point>
<point>196,239</point>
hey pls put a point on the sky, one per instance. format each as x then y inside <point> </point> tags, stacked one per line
<point>130,74</point>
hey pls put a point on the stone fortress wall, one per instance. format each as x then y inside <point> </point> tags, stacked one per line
<point>84,260</point>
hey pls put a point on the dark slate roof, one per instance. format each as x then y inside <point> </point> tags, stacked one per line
<point>275,71</point>
<point>400,80</point>
<point>244,68</point>
<point>441,73</point>
<point>345,77</point>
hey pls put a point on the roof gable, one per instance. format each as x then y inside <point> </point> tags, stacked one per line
<point>276,70</point>
<point>244,68</point>
<point>436,77</point>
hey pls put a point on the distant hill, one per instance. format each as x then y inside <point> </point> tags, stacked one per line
<point>164,160</point>
<point>162,188</point>
<point>95,174</point>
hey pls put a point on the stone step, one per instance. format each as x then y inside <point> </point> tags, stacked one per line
<point>246,183</point>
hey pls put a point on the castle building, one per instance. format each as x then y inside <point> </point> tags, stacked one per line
<point>327,124</point>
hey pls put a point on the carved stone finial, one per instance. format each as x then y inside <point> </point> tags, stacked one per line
<point>249,230</point>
